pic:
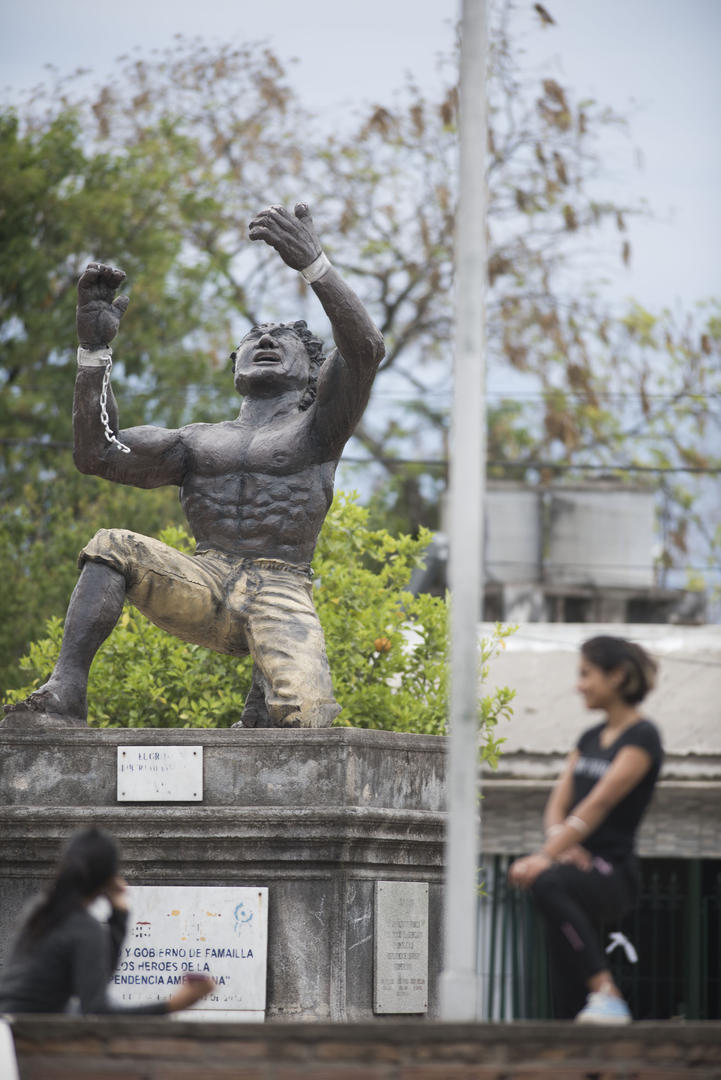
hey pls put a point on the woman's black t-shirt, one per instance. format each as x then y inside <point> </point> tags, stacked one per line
<point>614,838</point>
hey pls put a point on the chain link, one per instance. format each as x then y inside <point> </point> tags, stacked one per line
<point>109,435</point>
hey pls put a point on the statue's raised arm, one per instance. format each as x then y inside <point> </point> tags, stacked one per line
<point>143,456</point>
<point>346,377</point>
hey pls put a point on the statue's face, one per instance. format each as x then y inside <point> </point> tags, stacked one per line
<point>270,359</point>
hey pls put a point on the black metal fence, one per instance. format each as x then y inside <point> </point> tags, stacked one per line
<point>675,930</point>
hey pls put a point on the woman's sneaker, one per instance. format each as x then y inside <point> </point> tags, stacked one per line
<point>604,1008</point>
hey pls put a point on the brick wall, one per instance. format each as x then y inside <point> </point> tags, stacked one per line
<point>146,1048</point>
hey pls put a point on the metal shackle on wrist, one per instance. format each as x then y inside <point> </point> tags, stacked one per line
<point>320,266</point>
<point>102,358</point>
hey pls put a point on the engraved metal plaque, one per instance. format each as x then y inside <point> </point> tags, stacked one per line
<point>160,773</point>
<point>217,931</point>
<point>400,976</point>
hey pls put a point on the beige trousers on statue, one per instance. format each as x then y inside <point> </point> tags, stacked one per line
<point>237,606</point>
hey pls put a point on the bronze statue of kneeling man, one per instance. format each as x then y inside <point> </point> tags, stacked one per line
<point>255,491</point>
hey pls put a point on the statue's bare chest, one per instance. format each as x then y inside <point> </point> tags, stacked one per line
<point>256,491</point>
<point>226,450</point>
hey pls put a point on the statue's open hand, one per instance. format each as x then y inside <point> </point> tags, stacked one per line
<point>292,235</point>
<point>98,315</point>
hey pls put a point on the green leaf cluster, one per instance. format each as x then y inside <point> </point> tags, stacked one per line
<point>388,648</point>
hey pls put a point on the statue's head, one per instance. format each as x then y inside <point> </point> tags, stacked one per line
<point>273,357</point>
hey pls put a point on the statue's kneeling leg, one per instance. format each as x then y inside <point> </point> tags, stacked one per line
<point>286,641</point>
<point>303,696</point>
<point>94,609</point>
<point>255,712</point>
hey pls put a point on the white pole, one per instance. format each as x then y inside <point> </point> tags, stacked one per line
<point>459,986</point>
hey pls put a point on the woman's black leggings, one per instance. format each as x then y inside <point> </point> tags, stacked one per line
<point>573,902</point>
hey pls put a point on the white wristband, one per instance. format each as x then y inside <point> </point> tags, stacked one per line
<point>94,357</point>
<point>317,268</point>
<point>576,823</point>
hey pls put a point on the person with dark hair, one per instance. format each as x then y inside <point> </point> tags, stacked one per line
<point>62,952</point>
<point>586,872</point>
<point>255,491</point>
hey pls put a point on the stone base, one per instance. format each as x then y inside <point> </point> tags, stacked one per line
<point>20,717</point>
<point>316,815</point>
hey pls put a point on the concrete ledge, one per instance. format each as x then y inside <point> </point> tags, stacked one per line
<point>331,766</point>
<point>145,1048</point>
<point>160,843</point>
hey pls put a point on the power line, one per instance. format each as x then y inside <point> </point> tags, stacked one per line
<point>542,395</point>
<point>549,566</point>
<point>554,465</point>
<point>42,444</point>
<point>380,393</point>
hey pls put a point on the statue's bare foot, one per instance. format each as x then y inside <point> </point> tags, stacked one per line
<point>54,704</point>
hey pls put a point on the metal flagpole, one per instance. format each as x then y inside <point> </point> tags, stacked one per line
<point>459,986</point>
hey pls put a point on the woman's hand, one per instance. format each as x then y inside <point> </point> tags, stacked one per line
<point>576,856</point>
<point>195,987</point>
<point>523,872</point>
<point>117,893</point>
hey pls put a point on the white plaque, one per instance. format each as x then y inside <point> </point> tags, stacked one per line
<point>160,773</point>
<point>400,977</point>
<point>174,929</point>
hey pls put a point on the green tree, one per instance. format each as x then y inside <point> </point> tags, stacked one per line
<point>387,648</point>
<point>232,135</point>
<point>590,385</point>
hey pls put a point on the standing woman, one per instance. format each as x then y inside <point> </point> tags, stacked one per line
<point>61,951</point>
<point>586,870</point>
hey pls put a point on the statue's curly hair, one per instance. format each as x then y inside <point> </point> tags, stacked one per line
<point>314,348</point>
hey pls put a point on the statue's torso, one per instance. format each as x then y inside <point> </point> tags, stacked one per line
<point>252,492</point>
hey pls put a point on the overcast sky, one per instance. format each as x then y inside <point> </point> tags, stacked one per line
<point>662,55</point>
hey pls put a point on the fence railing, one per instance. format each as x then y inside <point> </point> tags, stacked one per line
<point>675,929</point>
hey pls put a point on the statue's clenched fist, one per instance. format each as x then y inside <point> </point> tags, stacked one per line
<point>98,315</point>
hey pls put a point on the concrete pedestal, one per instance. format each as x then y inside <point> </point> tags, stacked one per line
<point>318,816</point>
